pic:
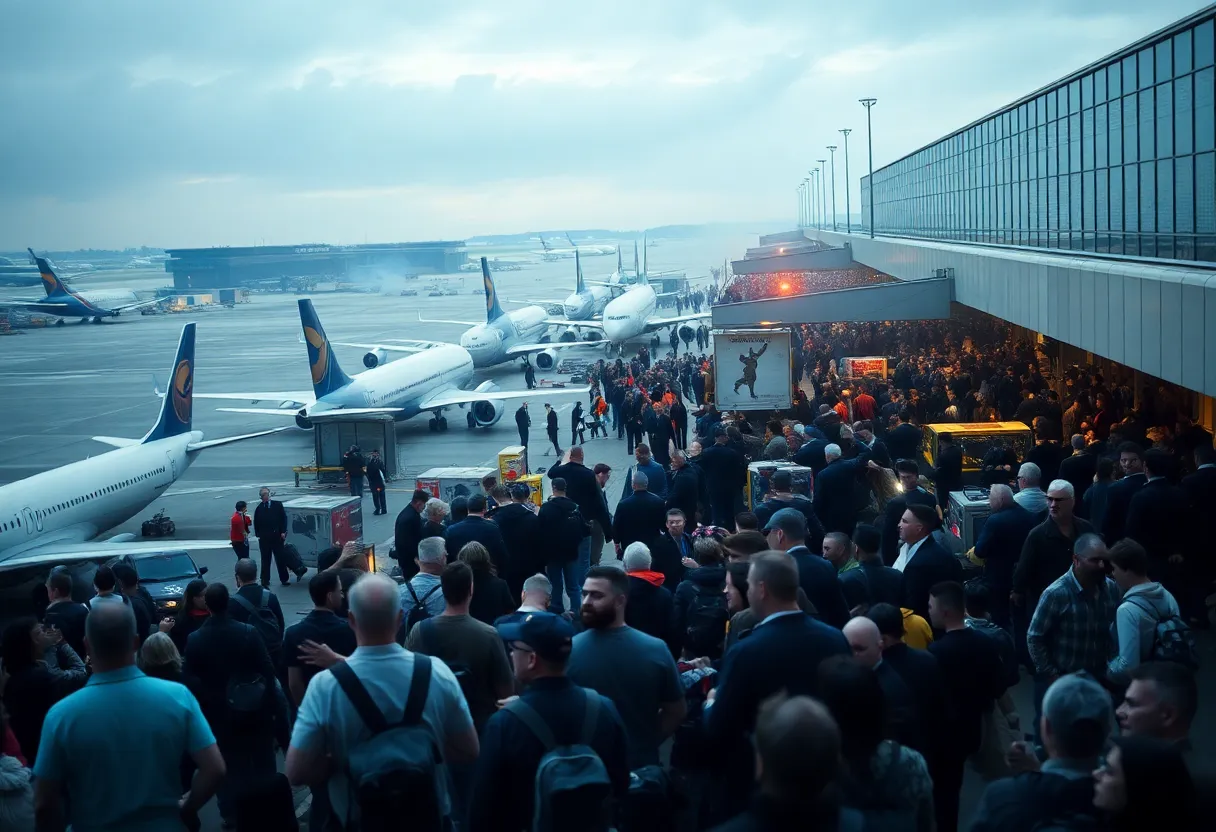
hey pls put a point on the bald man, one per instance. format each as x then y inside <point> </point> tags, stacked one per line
<point>866,642</point>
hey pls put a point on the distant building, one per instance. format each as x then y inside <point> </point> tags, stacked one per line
<point>214,268</point>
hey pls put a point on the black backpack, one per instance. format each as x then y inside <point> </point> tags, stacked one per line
<point>393,774</point>
<point>1173,639</point>
<point>263,620</point>
<point>705,627</point>
<point>418,613</point>
<point>574,528</point>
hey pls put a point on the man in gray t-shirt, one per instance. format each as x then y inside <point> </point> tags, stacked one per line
<point>634,670</point>
<point>432,557</point>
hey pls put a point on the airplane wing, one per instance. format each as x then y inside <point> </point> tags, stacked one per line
<point>396,345</point>
<point>295,398</point>
<point>118,550</point>
<point>116,441</point>
<point>535,301</point>
<point>138,305</point>
<point>212,443</point>
<point>526,349</point>
<point>659,323</point>
<point>448,398</point>
<point>323,415</point>
<point>44,307</point>
<point>567,322</point>
<point>423,320</point>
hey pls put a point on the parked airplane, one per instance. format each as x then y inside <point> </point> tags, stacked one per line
<point>502,337</point>
<point>548,252</point>
<point>65,302</point>
<point>431,380</point>
<point>57,511</point>
<point>588,300</point>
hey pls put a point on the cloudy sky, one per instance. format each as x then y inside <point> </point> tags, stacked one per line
<point>230,122</point>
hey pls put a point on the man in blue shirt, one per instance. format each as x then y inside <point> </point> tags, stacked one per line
<point>503,792</point>
<point>96,778</point>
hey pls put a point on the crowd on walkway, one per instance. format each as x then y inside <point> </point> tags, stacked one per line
<point>819,662</point>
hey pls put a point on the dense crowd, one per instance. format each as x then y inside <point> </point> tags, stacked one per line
<point>784,284</point>
<point>817,661</point>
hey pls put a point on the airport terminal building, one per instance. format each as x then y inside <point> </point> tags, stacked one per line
<point>1084,212</point>
<point>216,268</point>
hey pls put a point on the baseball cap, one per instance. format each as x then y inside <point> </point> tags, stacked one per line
<point>549,635</point>
<point>789,520</point>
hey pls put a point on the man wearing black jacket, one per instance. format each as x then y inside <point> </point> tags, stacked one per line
<point>375,481</point>
<point>64,614</point>
<point>903,441</point>
<point>1079,469</point>
<point>476,527</point>
<point>781,496</point>
<point>684,486</point>
<point>585,491</point>
<point>948,475</point>
<point>1119,496</point>
<point>270,528</point>
<point>726,471</point>
<point>922,559</point>
<point>407,532</point>
<point>551,428</point>
<point>559,520</point>
<point>352,464</point>
<point>640,516</point>
<point>521,532</point>
<point>523,422</point>
<point>786,532</point>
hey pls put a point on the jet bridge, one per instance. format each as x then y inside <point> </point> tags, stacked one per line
<point>911,300</point>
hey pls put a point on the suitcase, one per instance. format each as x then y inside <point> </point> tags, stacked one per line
<point>291,558</point>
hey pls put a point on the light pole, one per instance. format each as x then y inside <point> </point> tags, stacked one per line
<point>814,197</point>
<point>848,216</point>
<point>823,190</point>
<point>801,206</point>
<point>868,103</point>
<point>806,199</point>
<point>832,150</point>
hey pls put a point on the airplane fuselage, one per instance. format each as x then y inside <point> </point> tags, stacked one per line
<point>585,305</point>
<point>488,343</point>
<point>403,383</point>
<point>77,502</point>
<point>625,317</point>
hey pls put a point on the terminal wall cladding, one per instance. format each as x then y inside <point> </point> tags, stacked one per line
<point>1159,319</point>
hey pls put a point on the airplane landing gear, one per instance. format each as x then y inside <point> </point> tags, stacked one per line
<point>437,423</point>
<point>97,320</point>
<point>60,322</point>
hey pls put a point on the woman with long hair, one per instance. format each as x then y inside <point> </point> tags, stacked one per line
<point>42,669</point>
<point>491,595</point>
<point>1143,782</point>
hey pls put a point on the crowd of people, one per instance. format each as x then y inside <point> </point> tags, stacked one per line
<point>743,287</point>
<point>811,661</point>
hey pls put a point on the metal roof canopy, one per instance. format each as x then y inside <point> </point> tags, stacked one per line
<point>914,300</point>
<point>806,260</point>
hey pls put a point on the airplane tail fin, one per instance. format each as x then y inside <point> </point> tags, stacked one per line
<point>543,242</point>
<point>178,404</point>
<point>619,269</point>
<point>637,270</point>
<point>645,264</point>
<point>493,309</point>
<point>579,285</point>
<point>327,376</point>
<point>570,240</point>
<point>50,281</point>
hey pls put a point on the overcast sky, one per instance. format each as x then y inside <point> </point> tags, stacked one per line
<point>230,122</point>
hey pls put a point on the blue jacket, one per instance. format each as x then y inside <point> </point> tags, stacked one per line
<point>1000,544</point>
<point>819,581</point>
<point>656,479</point>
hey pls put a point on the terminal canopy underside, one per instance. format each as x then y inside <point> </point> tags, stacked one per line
<point>918,300</point>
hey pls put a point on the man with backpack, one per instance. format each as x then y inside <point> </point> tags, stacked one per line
<point>558,742</point>
<point>421,596</point>
<point>1148,622</point>
<point>563,528</point>
<point>258,607</point>
<point>379,726</point>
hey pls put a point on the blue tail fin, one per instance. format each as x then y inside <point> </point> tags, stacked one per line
<point>50,281</point>
<point>637,270</point>
<point>618,260</point>
<point>493,309</point>
<point>327,376</point>
<point>176,409</point>
<point>579,285</point>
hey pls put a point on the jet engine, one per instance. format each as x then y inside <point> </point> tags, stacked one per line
<point>593,335</point>
<point>487,412</point>
<point>546,360</point>
<point>302,420</point>
<point>687,333</point>
<point>569,336</point>
<point>374,359</point>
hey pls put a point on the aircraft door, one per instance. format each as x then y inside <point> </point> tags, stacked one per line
<point>32,521</point>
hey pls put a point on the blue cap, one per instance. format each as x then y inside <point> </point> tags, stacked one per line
<point>789,520</point>
<point>549,635</point>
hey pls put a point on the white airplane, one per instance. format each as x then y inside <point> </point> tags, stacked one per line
<point>58,511</point>
<point>502,337</point>
<point>65,302</point>
<point>588,300</point>
<point>431,380</point>
<point>548,252</point>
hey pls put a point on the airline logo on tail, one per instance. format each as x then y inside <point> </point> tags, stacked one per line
<point>50,281</point>
<point>318,353</point>
<point>493,310</point>
<point>182,390</point>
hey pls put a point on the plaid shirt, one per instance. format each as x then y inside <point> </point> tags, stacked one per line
<point>1071,628</point>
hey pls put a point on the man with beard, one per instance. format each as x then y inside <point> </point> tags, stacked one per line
<point>634,670</point>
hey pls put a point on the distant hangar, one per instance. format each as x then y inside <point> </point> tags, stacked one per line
<point>214,268</point>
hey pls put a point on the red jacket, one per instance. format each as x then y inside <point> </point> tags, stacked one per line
<point>239,527</point>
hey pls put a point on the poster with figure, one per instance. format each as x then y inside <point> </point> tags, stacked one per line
<point>752,369</point>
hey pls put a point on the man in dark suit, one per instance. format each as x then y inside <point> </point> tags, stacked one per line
<point>786,532</point>
<point>782,652</point>
<point>918,669</point>
<point>835,490</point>
<point>224,655</point>
<point>407,532</point>
<point>584,490</point>
<point>670,548</point>
<point>270,528</point>
<point>1119,496</point>
<point>1159,520</point>
<point>1000,545</point>
<point>948,475</point>
<point>640,516</point>
<point>1079,469</point>
<point>1200,488</point>
<point>523,422</point>
<point>726,472</point>
<point>873,582</point>
<point>520,528</point>
<point>810,455</point>
<point>903,441</point>
<point>477,528</point>
<point>684,488</point>
<point>922,559</point>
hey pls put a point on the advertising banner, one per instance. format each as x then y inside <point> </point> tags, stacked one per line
<point>752,369</point>
<point>865,367</point>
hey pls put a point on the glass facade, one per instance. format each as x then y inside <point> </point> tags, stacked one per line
<point>1121,160</point>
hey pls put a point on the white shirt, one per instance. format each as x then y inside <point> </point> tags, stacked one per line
<point>906,553</point>
<point>1033,500</point>
<point>328,721</point>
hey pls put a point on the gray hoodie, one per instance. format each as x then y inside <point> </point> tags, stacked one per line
<point>1136,626</point>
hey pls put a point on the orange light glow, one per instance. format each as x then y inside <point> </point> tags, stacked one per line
<point>785,287</point>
